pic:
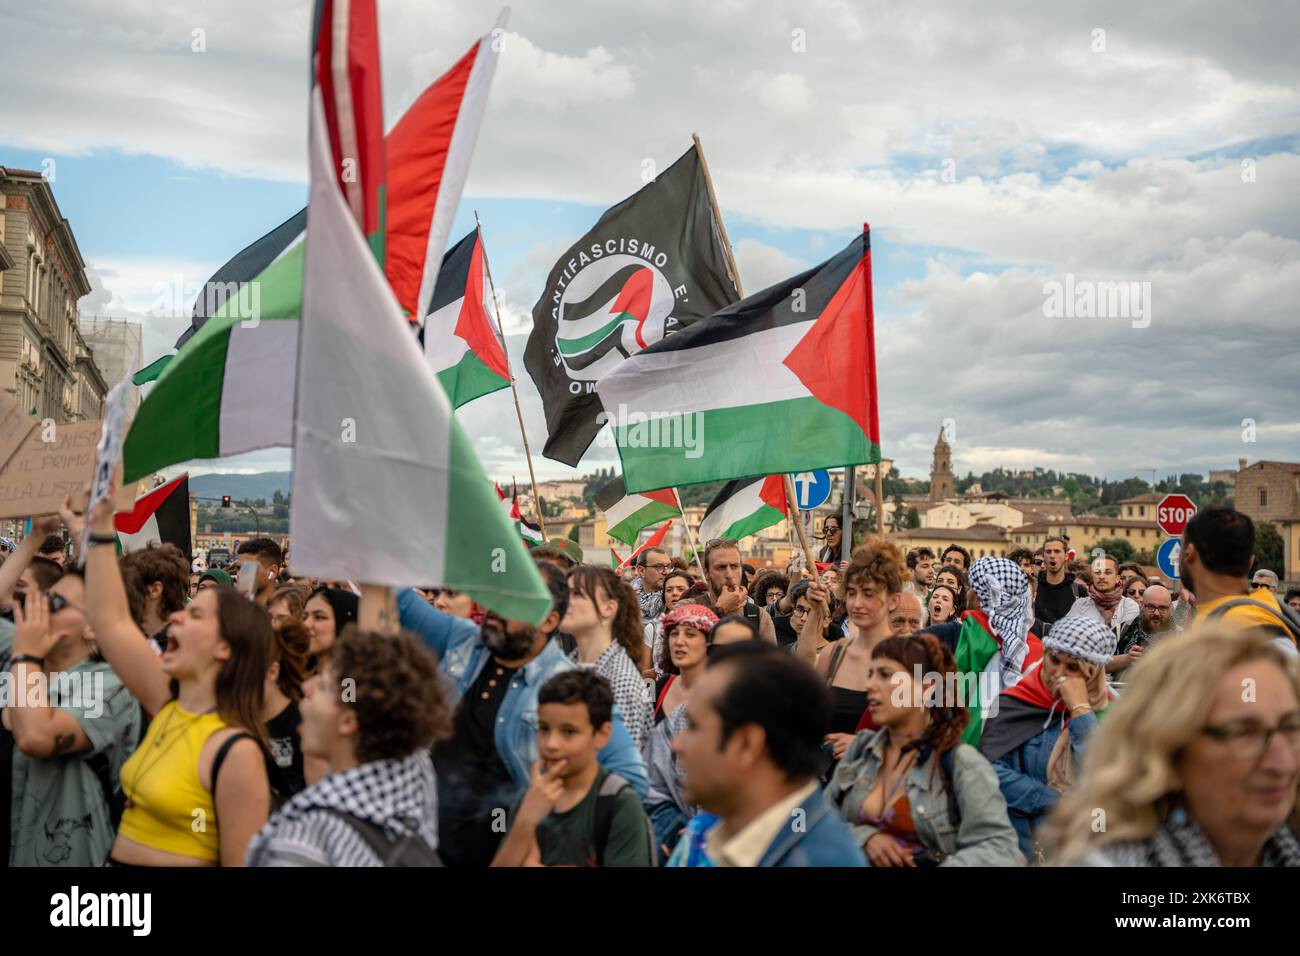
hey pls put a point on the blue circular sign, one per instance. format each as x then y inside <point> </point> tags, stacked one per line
<point>811,488</point>
<point>1167,557</point>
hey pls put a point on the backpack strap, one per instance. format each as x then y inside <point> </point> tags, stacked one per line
<point>1290,622</point>
<point>390,852</point>
<point>113,797</point>
<point>606,802</point>
<point>949,787</point>
<point>220,758</point>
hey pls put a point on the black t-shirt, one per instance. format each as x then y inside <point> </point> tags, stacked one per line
<point>1054,600</point>
<point>473,781</point>
<point>286,752</point>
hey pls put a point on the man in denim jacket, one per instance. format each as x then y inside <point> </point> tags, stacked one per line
<point>497,671</point>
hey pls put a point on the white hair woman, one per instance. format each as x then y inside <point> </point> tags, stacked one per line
<point>1196,765</point>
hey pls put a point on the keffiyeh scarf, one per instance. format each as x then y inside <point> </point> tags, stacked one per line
<point>1003,591</point>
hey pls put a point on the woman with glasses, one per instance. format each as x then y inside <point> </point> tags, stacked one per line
<point>833,534</point>
<point>1135,587</point>
<point>1205,776</point>
<point>69,725</point>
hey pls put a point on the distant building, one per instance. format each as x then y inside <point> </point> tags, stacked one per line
<point>1140,508</point>
<point>981,540</point>
<point>1085,531</point>
<point>560,489</point>
<point>1226,475</point>
<point>1268,490</point>
<point>45,362</point>
<point>116,344</point>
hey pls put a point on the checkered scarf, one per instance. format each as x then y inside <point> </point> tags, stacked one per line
<point>1003,591</point>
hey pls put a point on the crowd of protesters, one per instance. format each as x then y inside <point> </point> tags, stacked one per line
<point>693,710</point>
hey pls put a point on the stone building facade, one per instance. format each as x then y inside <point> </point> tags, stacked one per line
<point>45,362</point>
<point>1268,490</point>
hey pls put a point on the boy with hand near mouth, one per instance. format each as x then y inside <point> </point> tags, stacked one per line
<point>575,812</point>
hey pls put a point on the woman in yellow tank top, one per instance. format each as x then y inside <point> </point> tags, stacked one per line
<point>205,693</point>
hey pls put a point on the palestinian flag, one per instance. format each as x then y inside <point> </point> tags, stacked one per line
<point>784,381</point>
<point>230,387</point>
<point>160,517</point>
<point>615,561</point>
<point>650,266</point>
<point>626,515</point>
<point>459,338</point>
<point>653,541</point>
<point>743,507</point>
<point>529,533</point>
<point>401,500</point>
<point>978,657</point>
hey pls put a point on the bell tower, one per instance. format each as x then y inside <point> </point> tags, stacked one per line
<point>942,480</point>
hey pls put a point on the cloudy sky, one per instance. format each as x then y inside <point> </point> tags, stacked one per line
<point>992,153</point>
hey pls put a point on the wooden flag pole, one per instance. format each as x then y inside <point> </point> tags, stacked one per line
<point>793,503</point>
<point>523,433</point>
<point>695,545</point>
<point>717,218</point>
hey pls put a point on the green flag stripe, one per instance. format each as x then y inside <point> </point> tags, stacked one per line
<point>813,436</point>
<point>180,419</point>
<point>469,379</point>
<point>485,557</point>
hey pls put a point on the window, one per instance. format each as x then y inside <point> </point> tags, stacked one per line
<point>1263,497</point>
<point>1128,532</point>
<point>1130,511</point>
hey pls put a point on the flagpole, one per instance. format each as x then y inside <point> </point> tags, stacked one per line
<point>695,545</point>
<point>793,503</point>
<point>880,481</point>
<point>523,433</point>
<point>717,217</point>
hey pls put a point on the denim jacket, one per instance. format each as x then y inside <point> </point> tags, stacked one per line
<point>821,840</point>
<point>1022,775</point>
<point>984,837</point>
<point>457,643</point>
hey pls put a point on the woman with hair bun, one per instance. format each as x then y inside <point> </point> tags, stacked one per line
<point>912,793</point>
<point>875,573</point>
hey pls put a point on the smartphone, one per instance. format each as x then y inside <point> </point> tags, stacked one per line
<point>246,583</point>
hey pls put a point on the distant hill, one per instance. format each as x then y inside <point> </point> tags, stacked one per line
<point>241,487</point>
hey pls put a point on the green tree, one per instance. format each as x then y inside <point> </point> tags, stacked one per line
<point>573,535</point>
<point>913,519</point>
<point>1268,548</point>
<point>1117,548</point>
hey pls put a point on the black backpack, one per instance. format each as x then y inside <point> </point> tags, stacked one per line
<point>606,801</point>
<point>408,850</point>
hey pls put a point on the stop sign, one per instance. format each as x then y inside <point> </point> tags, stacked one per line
<point>1173,513</point>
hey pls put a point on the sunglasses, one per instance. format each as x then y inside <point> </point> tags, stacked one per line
<point>57,601</point>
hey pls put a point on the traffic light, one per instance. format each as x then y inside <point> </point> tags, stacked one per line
<point>225,501</point>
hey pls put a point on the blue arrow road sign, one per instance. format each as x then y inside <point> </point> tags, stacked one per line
<point>811,488</point>
<point>1167,557</point>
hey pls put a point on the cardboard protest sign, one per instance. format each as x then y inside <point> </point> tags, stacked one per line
<point>40,473</point>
